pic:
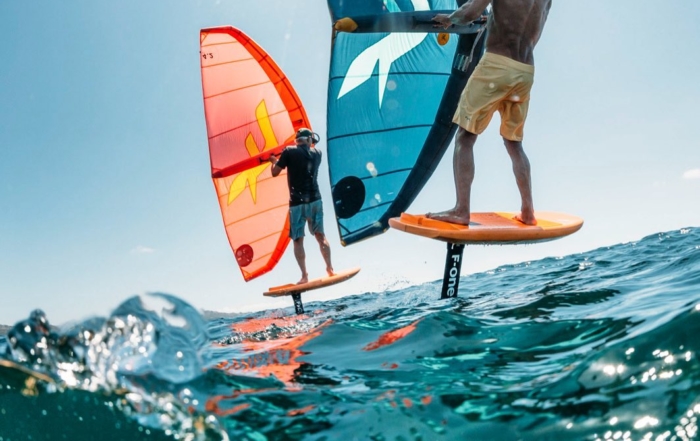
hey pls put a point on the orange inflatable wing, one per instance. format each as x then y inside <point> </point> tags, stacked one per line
<point>251,112</point>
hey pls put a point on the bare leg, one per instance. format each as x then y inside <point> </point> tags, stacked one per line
<point>463,168</point>
<point>300,255</point>
<point>325,252</point>
<point>521,170</point>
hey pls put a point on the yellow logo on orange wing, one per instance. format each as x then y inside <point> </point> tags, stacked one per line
<point>250,177</point>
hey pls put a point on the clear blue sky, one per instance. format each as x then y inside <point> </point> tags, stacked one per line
<point>104,171</point>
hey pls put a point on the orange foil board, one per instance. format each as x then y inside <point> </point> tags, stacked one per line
<point>292,288</point>
<point>491,228</point>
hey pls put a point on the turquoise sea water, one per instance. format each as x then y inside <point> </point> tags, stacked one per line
<point>601,345</point>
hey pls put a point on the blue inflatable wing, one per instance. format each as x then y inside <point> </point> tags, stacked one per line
<point>394,85</point>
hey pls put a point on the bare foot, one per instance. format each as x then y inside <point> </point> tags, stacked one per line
<point>330,272</point>
<point>452,216</point>
<point>304,279</point>
<point>527,220</point>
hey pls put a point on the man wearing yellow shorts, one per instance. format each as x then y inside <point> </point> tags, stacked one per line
<point>501,82</point>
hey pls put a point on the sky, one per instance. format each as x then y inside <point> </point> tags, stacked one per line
<point>105,190</point>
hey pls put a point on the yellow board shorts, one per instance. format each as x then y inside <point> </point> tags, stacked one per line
<point>498,83</point>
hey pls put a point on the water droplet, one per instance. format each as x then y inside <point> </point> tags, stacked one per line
<point>372,169</point>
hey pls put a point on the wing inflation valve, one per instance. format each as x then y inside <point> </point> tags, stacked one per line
<point>345,25</point>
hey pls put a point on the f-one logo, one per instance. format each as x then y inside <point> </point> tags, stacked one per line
<point>453,274</point>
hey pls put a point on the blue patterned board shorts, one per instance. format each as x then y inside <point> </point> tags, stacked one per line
<point>301,214</point>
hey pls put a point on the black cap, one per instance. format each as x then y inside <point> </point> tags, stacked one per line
<point>304,132</point>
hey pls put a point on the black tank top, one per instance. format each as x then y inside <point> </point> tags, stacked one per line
<point>302,164</point>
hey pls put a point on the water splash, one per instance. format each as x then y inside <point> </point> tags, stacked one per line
<point>143,356</point>
<point>600,345</point>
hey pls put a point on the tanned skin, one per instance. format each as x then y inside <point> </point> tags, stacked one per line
<point>514,28</point>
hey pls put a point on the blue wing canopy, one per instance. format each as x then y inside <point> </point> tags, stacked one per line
<point>391,98</point>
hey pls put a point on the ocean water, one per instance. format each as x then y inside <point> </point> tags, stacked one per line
<point>601,345</point>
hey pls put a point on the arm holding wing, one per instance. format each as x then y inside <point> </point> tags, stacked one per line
<point>276,169</point>
<point>464,15</point>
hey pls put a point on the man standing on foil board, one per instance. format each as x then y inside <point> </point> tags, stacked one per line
<point>305,206</point>
<point>501,82</point>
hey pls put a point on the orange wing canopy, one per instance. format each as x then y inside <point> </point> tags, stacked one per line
<point>251,112</point>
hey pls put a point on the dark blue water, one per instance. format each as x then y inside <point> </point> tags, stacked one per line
<point>593,346</point>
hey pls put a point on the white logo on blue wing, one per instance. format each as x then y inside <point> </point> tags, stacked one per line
<point>382,53</point>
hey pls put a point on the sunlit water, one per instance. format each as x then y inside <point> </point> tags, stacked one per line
<point>597,346</point>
